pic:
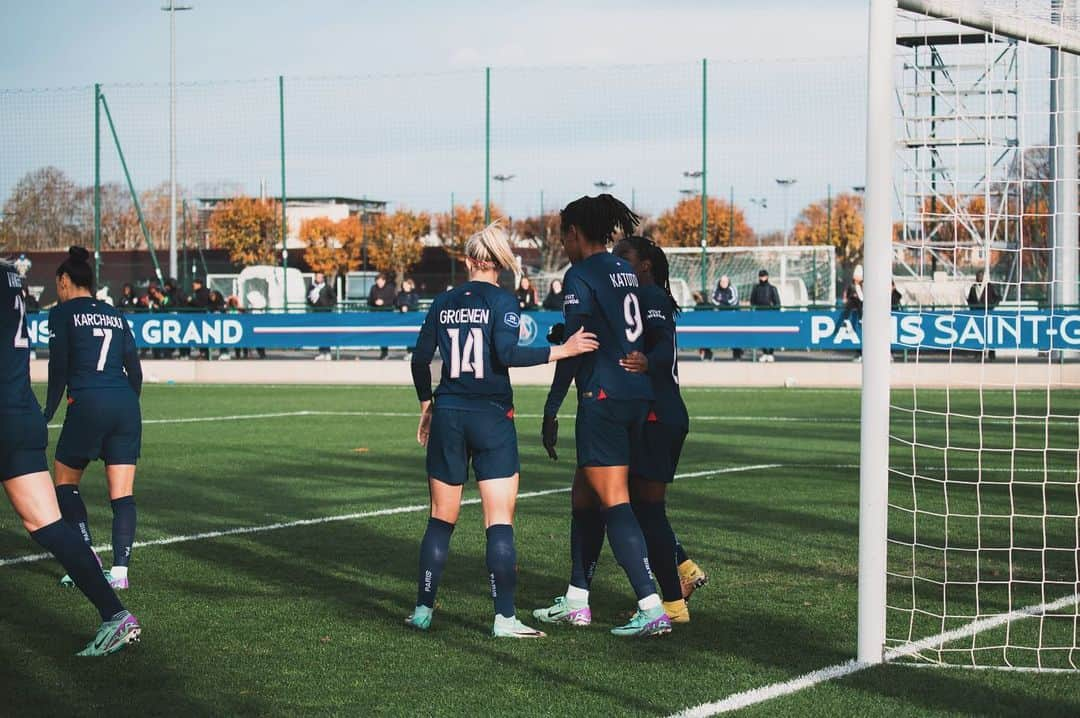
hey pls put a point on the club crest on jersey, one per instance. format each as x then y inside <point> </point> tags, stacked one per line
<point>528,331</point>
<point>512,320</point>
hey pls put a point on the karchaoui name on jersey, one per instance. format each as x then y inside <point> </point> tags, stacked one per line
<point>92,319</point>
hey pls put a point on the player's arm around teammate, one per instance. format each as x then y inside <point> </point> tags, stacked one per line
<point>25,476</point>
<point>475,328</point>
<point>601,295</point>
<point>92,355</point>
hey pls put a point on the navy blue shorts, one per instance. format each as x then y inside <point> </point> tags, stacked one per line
<point>101,425</point>
<point>606,429</point>
<point>486,437</point>
<point>656,456</point>
<point>23,438</point>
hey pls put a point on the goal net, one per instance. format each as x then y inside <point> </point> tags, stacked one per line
<point>983,531</point>
<point>805,275</point>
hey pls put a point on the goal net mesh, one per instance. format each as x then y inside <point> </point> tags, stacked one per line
<point>984,509</point>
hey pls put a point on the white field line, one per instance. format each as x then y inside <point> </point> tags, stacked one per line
<point>754,696</point>
<point>414,508</point>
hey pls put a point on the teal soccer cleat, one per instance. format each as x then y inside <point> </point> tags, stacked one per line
<point>653,622</point>
<point>513,628</point>
<point>113,635</point>
<point>565,611</point>
<point>420,618</point>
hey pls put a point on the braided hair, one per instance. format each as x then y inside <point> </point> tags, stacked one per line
<point>660,269</point>
<point>598,217</point>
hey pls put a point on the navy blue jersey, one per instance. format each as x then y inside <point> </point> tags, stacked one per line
<point>601,295</point>
<point>662,349</point>
<point>90,347</point>
<point>475,328</point>
<point>16,396</point>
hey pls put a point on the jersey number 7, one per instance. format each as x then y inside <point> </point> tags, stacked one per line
<point>470,358</point>
<point>106,335</point>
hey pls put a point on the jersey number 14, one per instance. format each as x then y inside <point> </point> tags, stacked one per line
<point>467,359</point>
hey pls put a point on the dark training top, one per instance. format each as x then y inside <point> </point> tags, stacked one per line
<point>601,295</point>
<point>662,351</point>
<point>91,347</point>
<point>16,396</point>
<point>475,328</point>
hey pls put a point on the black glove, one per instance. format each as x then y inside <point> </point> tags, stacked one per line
<point>557,333</point>
<point>550,435</point>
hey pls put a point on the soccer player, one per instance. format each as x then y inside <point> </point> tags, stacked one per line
<point>475,328</point>
<point>655,459</point>
<point>601,295</point>
<point>92,355</point>
<point>25,474</point>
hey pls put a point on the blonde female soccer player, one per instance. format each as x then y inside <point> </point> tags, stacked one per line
<point>476,329</point>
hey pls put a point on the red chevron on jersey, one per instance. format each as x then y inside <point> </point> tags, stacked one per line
<point>652,417</point>
<point>600,395</point>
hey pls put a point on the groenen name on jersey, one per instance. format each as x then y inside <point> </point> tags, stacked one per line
<point>90,319</point>
<point>623,279</point>
<point>464,316</point>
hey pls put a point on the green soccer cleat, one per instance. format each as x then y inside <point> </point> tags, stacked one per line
<point>565,611</point>
<point>513,628</point>
<point>653,622</point>
<point>113,635</point>
<point>420,618</point>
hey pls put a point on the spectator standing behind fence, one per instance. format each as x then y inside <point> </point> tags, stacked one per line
<point>765,296</point>
<point>983,296</point>
<point>526,295</point>
<point>382,296</point>
<point>321,298</point>
<point>853,303</point>
<point>726,297</point>
<point>553,302</point>
<point>407,299</point>
<point>199,301</point>
<point>128,301</point>
<point>897,298</point>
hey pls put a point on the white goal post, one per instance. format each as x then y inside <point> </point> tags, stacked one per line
<point>969,492</point>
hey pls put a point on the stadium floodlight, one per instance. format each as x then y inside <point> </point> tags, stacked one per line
<point>172,8</point>
<point>785,184</point>
<point>762,203</point>
<point>603,185</point>
<point>968,496</point>
<point>689,192</point>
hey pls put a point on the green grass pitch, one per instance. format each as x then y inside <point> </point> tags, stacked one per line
<point>308,620</point>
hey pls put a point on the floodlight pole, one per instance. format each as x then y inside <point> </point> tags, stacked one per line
<point>172,8</point>
<point>487,145</point>
<point>876,333</point>
<point>704,173</point>
<point>97,184</point>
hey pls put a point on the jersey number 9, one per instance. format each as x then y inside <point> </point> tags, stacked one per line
<point>632,314</point>
<point>470,358</point>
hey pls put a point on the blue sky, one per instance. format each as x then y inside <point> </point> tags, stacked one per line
<point>772,113</point>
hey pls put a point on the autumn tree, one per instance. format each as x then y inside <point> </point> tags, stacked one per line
<point>841,227</point>
<point>466,221</point>
<point>326,252</point>
<point>40,212</point>
<point>395,241</point>
<point>249,229</point>
<point>542,232</point>
<point>680,226</point>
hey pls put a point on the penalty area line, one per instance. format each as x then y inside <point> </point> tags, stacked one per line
<point>754,696</point>
<point>413,508</point>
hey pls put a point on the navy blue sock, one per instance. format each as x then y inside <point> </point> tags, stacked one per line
<point>123,529</point>
<point>586,543</point>
<point>628,545</point>
<point>660,541</point>
<point>433,552</point>
<point>61,540</point>
<point>680,553</point>
<point>74,510</point>
<point>502,567</point>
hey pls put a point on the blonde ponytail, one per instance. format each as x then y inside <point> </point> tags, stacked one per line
<point>491,244</point>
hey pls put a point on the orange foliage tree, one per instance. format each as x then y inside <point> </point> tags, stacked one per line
<point>680,226</point>
<point>249,229</point>
<point>843,230</point>
<point>394,241</point>
<point>332,247</point>
<point>455,230</point>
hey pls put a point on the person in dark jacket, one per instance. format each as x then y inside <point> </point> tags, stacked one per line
<point>129,301</point>
<point>199,301</point>
<point>553,302</point>
<point>725,297</point>
<point>853,305</point>
<point>382,296</point>
<point>765,296</point>
<point>897,300</point>
<point>526,295</point>
<point>983,296</point>
<point>321,298</point>
<point>407,299</point>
